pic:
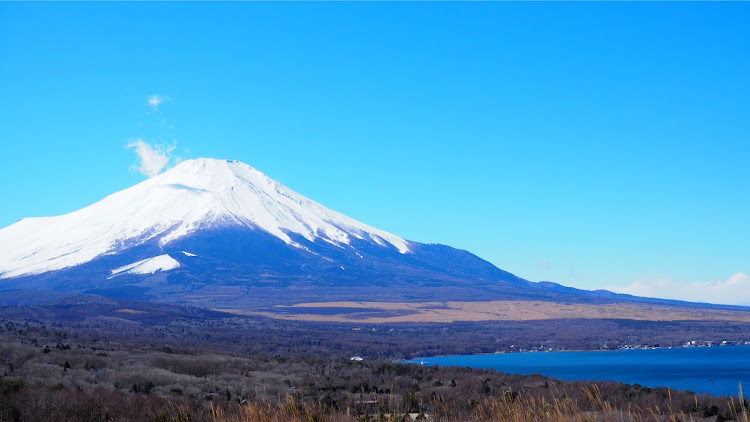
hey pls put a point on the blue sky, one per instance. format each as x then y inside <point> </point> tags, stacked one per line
<point>591,144</point>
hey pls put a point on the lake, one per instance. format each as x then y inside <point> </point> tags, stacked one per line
<point>713,370</point>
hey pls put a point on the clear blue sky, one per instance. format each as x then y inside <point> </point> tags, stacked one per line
<point>592,144</point>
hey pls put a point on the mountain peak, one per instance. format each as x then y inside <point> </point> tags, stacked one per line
<point>212,175</point>
<point>194,195</point>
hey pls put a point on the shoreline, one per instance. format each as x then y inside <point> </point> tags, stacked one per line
<point>578,351</point>
<point>714,375</point>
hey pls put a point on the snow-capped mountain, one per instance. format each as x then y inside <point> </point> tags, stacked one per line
<point>221,233</point>
<point>195,195</point>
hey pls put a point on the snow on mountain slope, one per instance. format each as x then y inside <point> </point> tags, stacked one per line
<point>194,195</point>
<point>147,266</point>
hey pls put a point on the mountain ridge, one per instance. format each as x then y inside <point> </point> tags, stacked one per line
<point>220,233</point>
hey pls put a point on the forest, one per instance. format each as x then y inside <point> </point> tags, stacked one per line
<point>105,360</point>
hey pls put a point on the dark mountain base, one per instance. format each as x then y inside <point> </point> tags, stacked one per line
<point>230,267</point>
<point>182,326</point>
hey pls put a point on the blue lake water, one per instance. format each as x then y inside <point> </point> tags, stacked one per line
<point>713,370</point>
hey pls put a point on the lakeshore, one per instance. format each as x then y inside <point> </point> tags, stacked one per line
<point>717,370</point>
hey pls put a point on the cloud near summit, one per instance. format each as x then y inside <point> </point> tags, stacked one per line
<point>153,158</point>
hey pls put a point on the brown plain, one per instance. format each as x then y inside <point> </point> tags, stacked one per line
<point>490,311</point>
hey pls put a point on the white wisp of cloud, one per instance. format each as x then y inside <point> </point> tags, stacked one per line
<point>154,158</point>
<point>733,291</point>
<point>154,101</point>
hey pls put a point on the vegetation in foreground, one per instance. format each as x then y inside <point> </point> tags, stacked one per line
<point>53,374</point>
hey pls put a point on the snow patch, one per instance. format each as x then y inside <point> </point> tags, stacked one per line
<point>147,266</point>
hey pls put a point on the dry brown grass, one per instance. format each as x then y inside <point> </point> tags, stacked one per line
<point>493,311</point>
<point>510,408</point>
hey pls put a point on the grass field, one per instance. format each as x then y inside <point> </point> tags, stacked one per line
<point>397,312</point>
